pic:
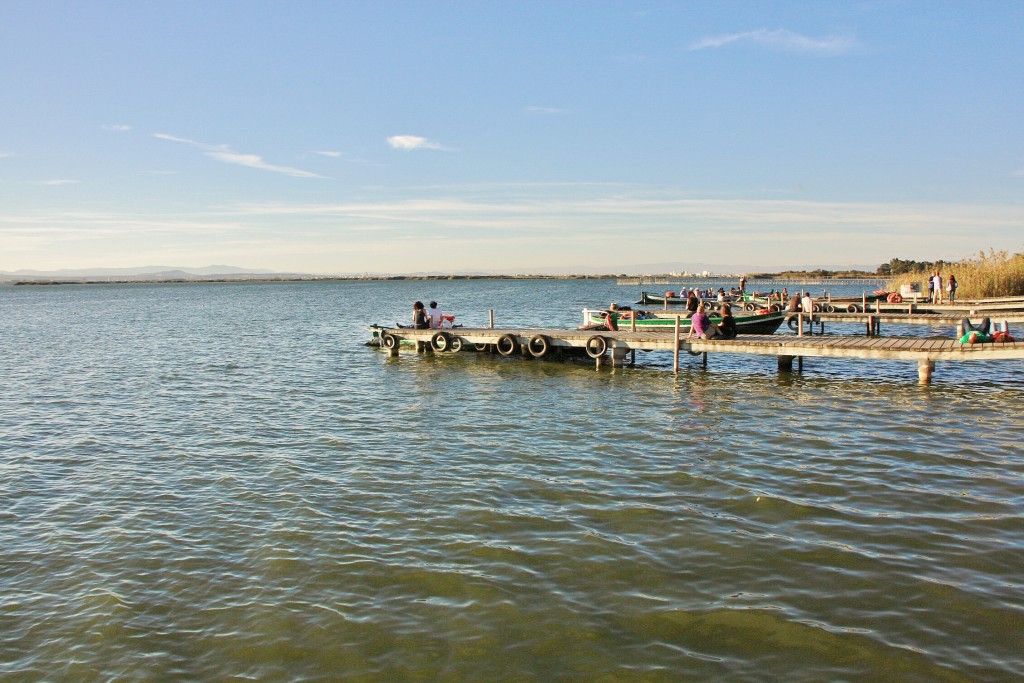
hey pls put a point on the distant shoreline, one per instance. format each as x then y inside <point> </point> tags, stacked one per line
<point>631,279</point>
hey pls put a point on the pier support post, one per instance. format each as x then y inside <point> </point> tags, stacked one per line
<point>675,348</point>
<point>925,370</point>
<point>785,363</point>
<point>619,356</point>
<point>393,353</point>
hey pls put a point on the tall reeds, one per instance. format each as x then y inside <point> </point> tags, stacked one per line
<point>994,274</point>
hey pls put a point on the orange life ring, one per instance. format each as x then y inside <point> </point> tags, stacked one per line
<point>895,298</point>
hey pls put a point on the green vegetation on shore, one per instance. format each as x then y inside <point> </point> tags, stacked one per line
<point>994,274</point>
<point>818,274</point>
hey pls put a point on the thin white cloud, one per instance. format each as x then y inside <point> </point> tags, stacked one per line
<point>409,142</point>
<point>58,181</point>
<point>780,40</point>
<point>227,155</point>
<point>550,111</point>
<point>328,153</point>
<point>119,127</point>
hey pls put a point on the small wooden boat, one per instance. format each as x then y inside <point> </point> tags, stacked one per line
<point>764,321</point>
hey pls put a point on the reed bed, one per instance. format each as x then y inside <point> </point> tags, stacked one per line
<point>990,275</point>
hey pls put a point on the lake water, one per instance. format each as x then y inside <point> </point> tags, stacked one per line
<point>221,482</point>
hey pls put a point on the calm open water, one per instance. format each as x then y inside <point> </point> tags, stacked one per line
<point>221,482</point>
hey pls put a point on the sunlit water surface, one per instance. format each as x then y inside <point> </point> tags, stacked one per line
<point>217,481</point>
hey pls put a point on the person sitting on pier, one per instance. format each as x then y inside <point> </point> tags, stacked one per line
<point>701,327</point>
<point>420,321</point>
<point>727,327</point>
<point>434,313</point>
<point>692,304</point>
<point>806,304</point>
<point>611,317</point>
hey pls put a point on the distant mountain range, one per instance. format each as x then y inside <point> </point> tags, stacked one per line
<point>141,273</point>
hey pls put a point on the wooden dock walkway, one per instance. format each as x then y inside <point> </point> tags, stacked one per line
<point>614,347</point>
<point>873,320</point>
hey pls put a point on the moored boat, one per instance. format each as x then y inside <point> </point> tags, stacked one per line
<point>761,322</point>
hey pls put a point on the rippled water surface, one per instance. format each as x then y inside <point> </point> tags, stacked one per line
<point>220,481</point>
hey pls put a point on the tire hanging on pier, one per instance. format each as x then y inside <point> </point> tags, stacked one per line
<point>853,308</point>
<point>456,344</point>
<point>793,323</point>
<point>440,341</point>
<point>538,346</point>
<point>389,341</point>
<point>507,344</point>
<point>596,346</point>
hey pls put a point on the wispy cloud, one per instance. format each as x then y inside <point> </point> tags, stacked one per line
<point>227,155</point>
<point>118,127</point>
<point>409,142</point>
<point>327,153</point>
<point>58,181</point>
<point>780,40</point>
<point>547,111</point>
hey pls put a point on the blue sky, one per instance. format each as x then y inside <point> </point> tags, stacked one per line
<point>399,137</point>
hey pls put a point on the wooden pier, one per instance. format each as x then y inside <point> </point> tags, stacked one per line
<point>614,347</point>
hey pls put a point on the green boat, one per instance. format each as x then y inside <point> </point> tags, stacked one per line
<point>761,322</point>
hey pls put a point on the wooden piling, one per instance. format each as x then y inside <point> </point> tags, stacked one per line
<point>675,351</point>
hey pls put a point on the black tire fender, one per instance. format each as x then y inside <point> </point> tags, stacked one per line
<point>596,346</point>
<point>440,341</point>
<point>507,344</point>
<point>793,323</point>
<point>852,308</point>
<point>539,345</point>
<point>456,343</point>
<point>388,340</point>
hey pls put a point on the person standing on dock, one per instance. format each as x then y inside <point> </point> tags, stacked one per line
<point>743,284</point>
<point>951,287</point>
<point>937,288</point>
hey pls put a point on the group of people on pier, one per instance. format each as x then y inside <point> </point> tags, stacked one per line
<point>702,327</point>
<point>432,318</point>
<point>937,294</point>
